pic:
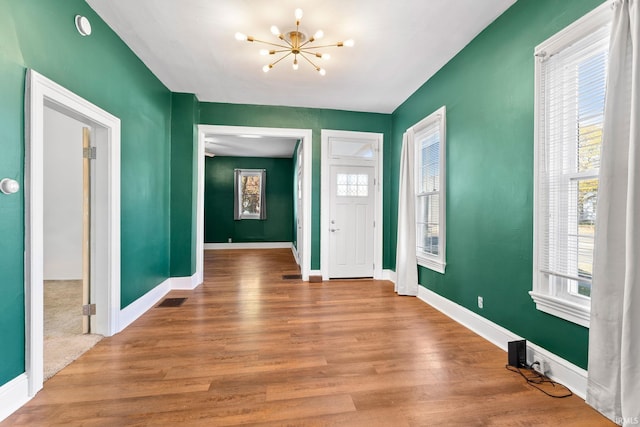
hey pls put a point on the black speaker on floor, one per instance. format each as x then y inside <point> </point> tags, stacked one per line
<point>518,353</point>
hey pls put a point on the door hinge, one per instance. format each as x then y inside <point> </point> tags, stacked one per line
<point>89,153</point>
<point>89,310</point>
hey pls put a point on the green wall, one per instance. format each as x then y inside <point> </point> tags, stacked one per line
<point>488,90</point>
<point>306,118</point>
<point>219,224</point>
<point>100,68</point>
<point>184,183</point>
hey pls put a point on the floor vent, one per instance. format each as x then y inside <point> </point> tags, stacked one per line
<point>172,302</point>
<point>292,277</point>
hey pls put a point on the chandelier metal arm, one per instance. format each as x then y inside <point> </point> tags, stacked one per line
<point>284,39</point>
<point>269,43</point>
<point>310,61</point>
<point>280,59</point>
<point>273,52</point>
<point>339,44</point>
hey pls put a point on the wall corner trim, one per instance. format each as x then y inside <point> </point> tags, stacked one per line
<point>13,395</point>
<point>133,311</point>
<point>560,370</point>
<point>186,283</point>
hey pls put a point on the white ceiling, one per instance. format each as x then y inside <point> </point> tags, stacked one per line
<point>249,145</point>
<point>399,44</point>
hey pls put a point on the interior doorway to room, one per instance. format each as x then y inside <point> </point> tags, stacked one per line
<point>47,103</point>
<point>302,176</point>
<point>351,218</point>
<point>69,201</point>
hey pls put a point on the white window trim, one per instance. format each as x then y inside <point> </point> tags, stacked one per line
<point>560,307</point>
<point>437,263</point>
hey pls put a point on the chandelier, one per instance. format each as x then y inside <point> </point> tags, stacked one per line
<point>296,44</point>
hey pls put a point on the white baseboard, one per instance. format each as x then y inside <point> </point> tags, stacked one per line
<point>559,369</point>
<point>140,306</point>
<point>389,275</point>
<point>185,283</point>
<point>13,395</point>
<point>249,245</point>
<point>130,313</point>
<point>295,254</point>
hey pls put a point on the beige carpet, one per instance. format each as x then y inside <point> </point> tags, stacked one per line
<point>64,341</point>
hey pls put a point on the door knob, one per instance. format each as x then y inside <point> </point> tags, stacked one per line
<point>333,230</point>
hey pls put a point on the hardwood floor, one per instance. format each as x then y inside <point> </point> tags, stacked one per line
<point>250,348</point>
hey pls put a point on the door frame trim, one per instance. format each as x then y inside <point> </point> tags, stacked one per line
<point>326,164</point>
<point>305,135</point>
<point>41,91</point>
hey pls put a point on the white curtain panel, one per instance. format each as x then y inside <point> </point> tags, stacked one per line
<point>614,334</point>
<point>406,264</point>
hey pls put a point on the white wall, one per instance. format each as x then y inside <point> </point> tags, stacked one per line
<point>62,197</point>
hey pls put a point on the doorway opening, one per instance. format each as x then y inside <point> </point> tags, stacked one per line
<point>43,95</point>
<point>302,248</point>
<point>69,203</point>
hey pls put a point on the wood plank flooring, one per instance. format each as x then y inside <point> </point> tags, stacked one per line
<point>251,348</point>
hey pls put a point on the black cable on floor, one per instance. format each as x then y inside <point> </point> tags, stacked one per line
<point>537,378</point>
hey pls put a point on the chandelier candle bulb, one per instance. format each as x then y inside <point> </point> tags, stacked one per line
<point>297,43</point>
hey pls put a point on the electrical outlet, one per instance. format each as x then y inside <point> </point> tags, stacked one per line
<point>540,365</point>
<point>480,302</point>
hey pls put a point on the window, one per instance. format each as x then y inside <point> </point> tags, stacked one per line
<point>570,75</point>
<point>352,185</point>
<point>249,200</point>
<point>429,140</point>
<point>344,148</point>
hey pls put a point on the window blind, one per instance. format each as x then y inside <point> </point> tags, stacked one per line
<point>571,101</point>
<point>428,189</point>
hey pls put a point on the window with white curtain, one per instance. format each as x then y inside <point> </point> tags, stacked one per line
<point>571,72</point>
<point>429,137</point>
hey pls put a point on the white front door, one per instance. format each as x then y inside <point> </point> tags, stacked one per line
<point>351,221</point>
